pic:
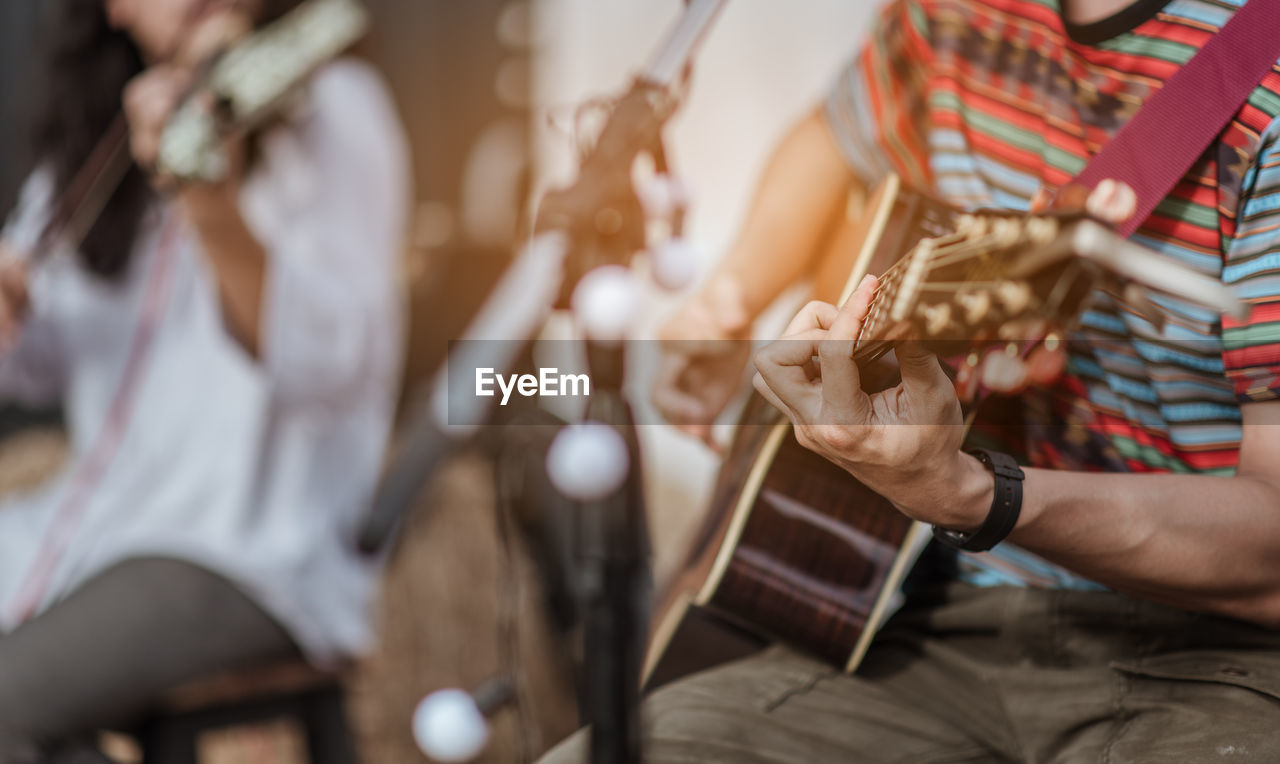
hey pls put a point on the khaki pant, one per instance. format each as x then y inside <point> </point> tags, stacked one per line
<point>1007,674</point>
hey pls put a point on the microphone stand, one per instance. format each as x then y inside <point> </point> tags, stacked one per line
<point>598,220</point>
<point>606,224</point>
<point>615,581</point>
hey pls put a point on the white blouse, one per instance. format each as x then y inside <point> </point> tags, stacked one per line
<point>183,445</point>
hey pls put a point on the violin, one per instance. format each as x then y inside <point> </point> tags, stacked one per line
<point>236,90</point>
<point>248,82</point>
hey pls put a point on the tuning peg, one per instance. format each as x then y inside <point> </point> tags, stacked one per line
<point>1140,300</point>
<point>971,225</point>
<point>1041,230</point>
<point>1006,231</point>
<point>975,304</point>
<point>936,318</point>
<point>1014,296</point>
<point>1003,371</point>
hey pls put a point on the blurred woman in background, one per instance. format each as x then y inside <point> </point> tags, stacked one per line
<point>227,356</point>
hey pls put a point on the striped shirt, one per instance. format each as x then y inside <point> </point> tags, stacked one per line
<point>984,102</point>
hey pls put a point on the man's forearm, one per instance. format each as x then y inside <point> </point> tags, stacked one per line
<point>1198,542</point>
<point>800,196</point>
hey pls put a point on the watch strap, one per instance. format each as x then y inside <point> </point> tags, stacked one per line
<point>1006,505</point>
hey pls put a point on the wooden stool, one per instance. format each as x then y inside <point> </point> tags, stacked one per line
<point>311,700</point>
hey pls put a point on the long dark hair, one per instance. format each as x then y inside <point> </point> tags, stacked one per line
<point>87,67</point>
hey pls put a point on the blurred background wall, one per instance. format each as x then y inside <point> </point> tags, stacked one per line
<point>461,75</point>
<point>19,25</point>
<point>20,31</point>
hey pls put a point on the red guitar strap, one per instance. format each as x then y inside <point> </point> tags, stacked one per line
<point>1175,126</point>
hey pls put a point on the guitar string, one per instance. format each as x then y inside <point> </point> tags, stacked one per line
<point>955,286</point>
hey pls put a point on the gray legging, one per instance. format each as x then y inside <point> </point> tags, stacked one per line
<point>101,656</point>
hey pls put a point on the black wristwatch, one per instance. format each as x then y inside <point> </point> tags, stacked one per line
<point>1005,507</point>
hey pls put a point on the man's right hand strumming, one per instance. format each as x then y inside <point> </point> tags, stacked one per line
<point>801,195</point>
<point>705,349</point>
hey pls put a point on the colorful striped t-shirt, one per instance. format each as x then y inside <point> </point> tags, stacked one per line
<point>984,102</point>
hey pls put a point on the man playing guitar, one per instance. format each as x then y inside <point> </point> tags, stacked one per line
<point>1129,614</point>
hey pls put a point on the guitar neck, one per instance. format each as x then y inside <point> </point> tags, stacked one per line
<point>878,329</point>
<point>968,279</point>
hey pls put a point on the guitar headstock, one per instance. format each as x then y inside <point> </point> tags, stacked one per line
<point>999,276</point>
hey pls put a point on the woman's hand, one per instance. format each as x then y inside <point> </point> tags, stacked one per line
<point>904,442</point>
<point>149,101</point>
<point>151,98</point>
<point>14,300</point>
<point>705,348</point>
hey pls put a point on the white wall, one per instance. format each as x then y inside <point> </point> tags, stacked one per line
<point>763,66</point>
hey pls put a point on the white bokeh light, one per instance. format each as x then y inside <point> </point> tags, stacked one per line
<point>607,302</point>
<point>448,726</point>
<point>675,264</point>
<point>587,462</point>
<point>657,197</point>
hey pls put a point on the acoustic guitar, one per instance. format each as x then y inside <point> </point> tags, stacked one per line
<point>796,549</point>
